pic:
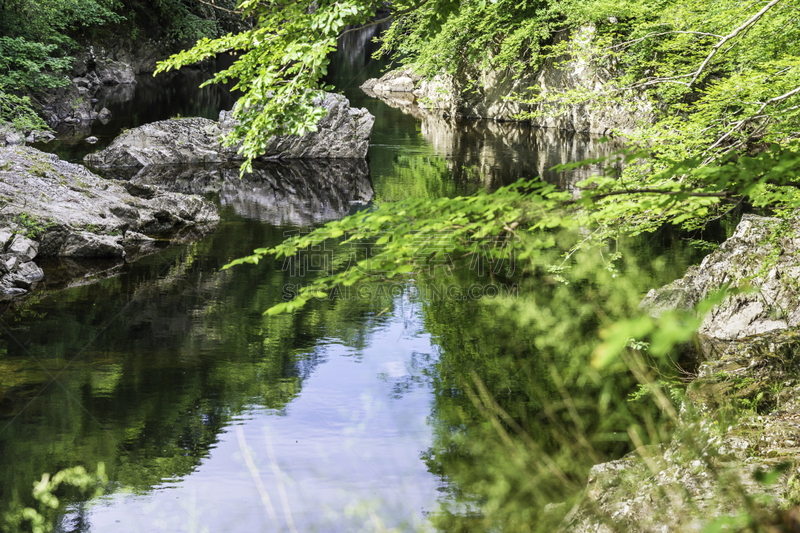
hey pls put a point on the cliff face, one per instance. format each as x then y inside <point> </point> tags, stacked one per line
<point>111,63</point>
<point>498,94</point>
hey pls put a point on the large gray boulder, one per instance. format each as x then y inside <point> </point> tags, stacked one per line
<point>10,137</point>
<point>52,208</point>
<point>173,141</point>
<point>343,133</point>
<point>760,256</point>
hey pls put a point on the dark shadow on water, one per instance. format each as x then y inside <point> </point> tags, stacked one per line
<point>168,95</point>
<point>296,192</point>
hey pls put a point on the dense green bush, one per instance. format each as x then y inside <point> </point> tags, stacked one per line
<point>39,39</point>
<point>501,34</point>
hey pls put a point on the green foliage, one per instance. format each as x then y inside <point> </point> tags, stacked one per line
<point>35,42</point>
<point>42,520</point>
<point>30,225</point>
<point>38,39</point>
<point>499,34</point>
<point>280,67</point>
<point>188,20</point>
<point>726,101</point>
<point>688,193</point>
<point>709,81</point>
<point>19,113</point>
<point>417,234</point>
<point>711,104</point>
<point>27,65</point>
<point>282,61</point>
<point>53,22</point>
<point>521,412</point>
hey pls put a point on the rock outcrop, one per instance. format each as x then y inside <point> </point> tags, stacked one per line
<point>761,257</point>
<point>297,192</point>
<point>474,93</point>
<point>10,137</point>
<point>710,470</point>
<point>342,133</point>
<point>18,272</point>
<point>749,377</point>
<point>93,70</point>
<point>51,208</point>
<point>106,71</point>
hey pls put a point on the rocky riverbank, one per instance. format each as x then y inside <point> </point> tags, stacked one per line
<point>736,437</point>
<point>109,62</point>
<point>761,261</point>
<point>98,66</point>
<point>51,208</point>
<point>484,93</point>
<point>736,441</point>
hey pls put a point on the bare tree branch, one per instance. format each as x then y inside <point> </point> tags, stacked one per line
<point>215,6</point>
<point>648,36</point>
<point>778,99</point>
<point>696,74</point>
<point>757,115</point>
<point>752,20</point>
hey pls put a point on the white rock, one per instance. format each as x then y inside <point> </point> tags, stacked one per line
<point>24,248</point>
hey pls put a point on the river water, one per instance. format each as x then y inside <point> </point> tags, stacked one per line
<point>210,417</point>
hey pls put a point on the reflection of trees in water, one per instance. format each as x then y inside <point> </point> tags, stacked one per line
<point>155,363</point>
<point>499,153</point>
<point>298,192</point>
<point>354,50</point>
<point>519,414</point>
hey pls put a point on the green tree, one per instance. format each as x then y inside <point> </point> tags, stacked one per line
<point>36,38</point>
<point>282,61</point>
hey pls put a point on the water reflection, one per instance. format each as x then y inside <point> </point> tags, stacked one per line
<point>145,371</point>
<point>298,192</point>
<point>499,153</point>
<point>359,398</point>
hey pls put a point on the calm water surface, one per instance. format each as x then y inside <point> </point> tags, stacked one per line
<point>209,416</point>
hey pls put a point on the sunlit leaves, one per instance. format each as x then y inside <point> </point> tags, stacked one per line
<point>448,37</point>
<point>417,236</point>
